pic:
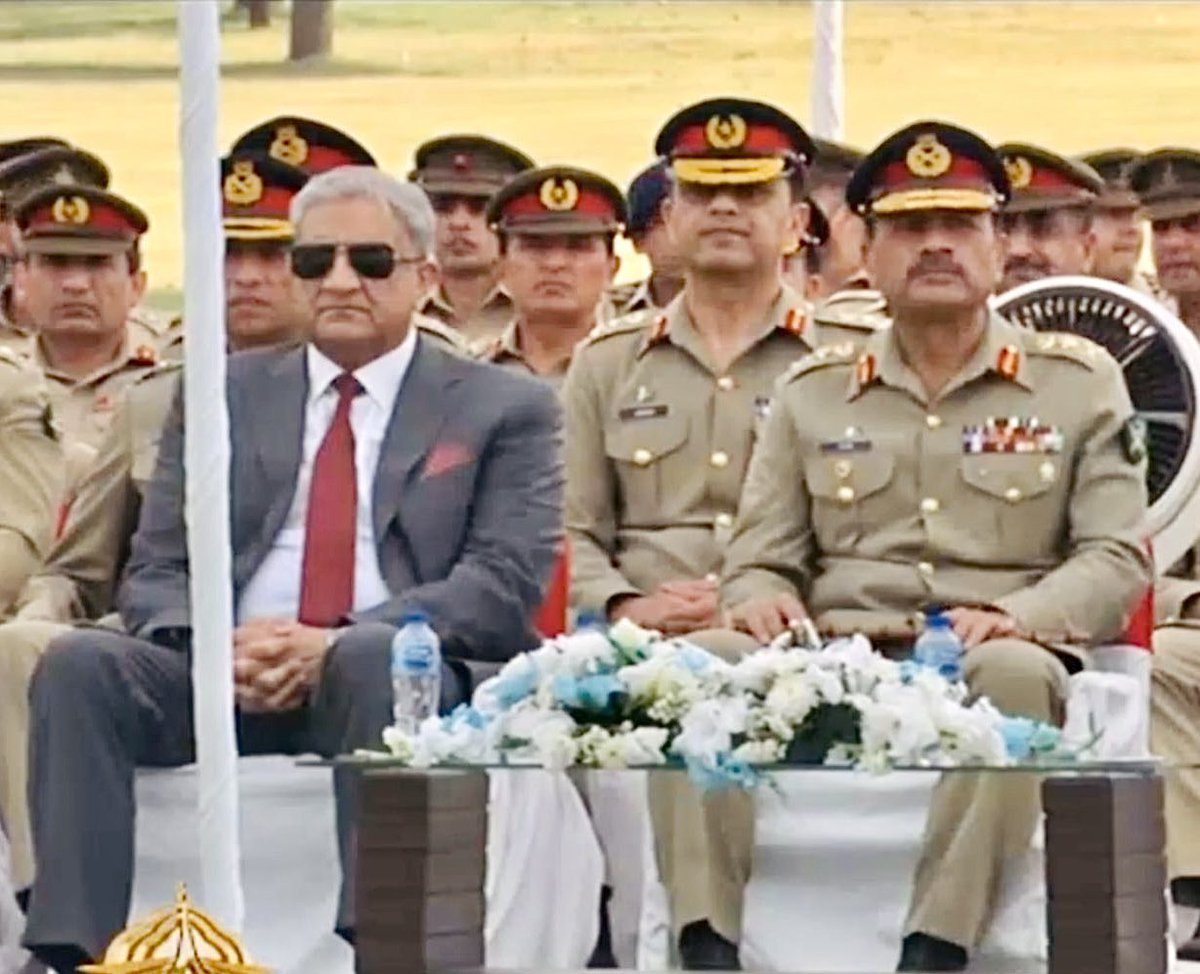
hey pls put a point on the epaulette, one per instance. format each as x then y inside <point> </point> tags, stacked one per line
<point>1056,344</point>
<point>865,310</point>
<point>165,367</point>
<point>841,353</point>
<point>431,326</point>
<point>627,324</point>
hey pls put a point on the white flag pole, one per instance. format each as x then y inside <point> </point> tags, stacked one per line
<point>206,459</point>
<point>828,84</point>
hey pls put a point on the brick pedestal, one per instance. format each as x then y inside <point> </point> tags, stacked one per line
<point>1106,874</point>
<point>421,847</point>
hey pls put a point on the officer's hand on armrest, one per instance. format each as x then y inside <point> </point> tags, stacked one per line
<point>767,617</point>
<point>975,626</point>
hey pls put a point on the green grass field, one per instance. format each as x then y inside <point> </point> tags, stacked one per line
<point>591,82</point>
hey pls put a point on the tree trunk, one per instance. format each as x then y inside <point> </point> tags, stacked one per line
<point>260,12</point>
<point>312,29</point>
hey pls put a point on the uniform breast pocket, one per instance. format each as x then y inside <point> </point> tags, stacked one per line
<point>847,492</point>
<point>646,454</point>
<point>1018,498</point>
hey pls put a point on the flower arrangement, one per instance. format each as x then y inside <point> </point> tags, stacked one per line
<point>627,697</point>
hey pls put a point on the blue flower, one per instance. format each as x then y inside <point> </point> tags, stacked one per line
<point>464,713</point>
<point>1046,737</point>
<point>596,693</point>
<point>908,671</point>
<point>1018,734</point>
<point>693,658</point>
<point>514,687</point>
<point>722,774</point>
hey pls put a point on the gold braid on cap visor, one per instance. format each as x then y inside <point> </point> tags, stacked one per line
<point>714,171</point>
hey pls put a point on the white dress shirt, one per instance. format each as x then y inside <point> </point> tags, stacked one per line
<point>274,590</point>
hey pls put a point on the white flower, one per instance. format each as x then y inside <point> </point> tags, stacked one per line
<point>792,698</point>
<point>631,637</point>
<point>708,728</point>
<point>398,743</point>
<point>760,752</point>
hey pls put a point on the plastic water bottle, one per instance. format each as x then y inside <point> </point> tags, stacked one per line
<point>939,647</point>
<point>416,671</point>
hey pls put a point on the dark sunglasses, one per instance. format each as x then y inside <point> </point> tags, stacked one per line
<point>370,260</point>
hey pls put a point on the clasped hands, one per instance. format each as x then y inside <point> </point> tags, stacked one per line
<point>276,663</point>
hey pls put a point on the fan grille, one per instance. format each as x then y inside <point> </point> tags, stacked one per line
<point>1154,371</point>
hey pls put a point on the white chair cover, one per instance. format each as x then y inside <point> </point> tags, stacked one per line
<point>11,921</point>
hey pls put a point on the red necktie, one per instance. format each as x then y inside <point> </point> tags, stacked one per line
<point>327,580</point>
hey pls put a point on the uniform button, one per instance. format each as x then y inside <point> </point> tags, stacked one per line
<point>1047,471</point>
<point>724,520</point>
<point>842,469</point>
<point>933,422</point>
<point>725,383</point>
<point>712,578</point>
<point>845,494</point>
<point>1012,495</point>
<point>642,457</point>
<point>930,505</point>
<point>719,459</point>
<point>925,568</point>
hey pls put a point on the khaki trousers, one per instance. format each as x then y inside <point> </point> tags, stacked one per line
<point>21,645</point>
<point>976,822</point>
<point>1175,735</point>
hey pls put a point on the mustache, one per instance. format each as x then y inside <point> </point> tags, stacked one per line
<point>1026,263</point>
<point>935,264</point>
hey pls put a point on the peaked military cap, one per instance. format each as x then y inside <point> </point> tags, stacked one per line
<point>928,166</point>
<point>1115,167</point>
<point>466,165</point>
<point>58,164</point>
<point>1168,183</point>
<point>733,140</point>
<point>74,219</point>
<point>18,147</point>
<point>304,143</point>
<point>558,199</point>
<point>1044,180</point>
<point>645,196</point>
<point>833,164</point>
<point>256,195</point>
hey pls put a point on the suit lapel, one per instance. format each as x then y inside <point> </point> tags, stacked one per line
<point>278,421</point>
<point>422,406</point>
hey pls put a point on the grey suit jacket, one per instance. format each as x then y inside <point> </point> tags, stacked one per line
<point>467,500</point>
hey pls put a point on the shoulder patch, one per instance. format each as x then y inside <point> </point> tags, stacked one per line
<point>165,367</point>
<point>1064,345</point>
<point>14,358</point>
<point>628,324</point>
<point>843,353</point>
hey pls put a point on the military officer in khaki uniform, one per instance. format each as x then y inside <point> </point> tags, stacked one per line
<point>955,460</point>
<point>28,165</point>
<point>556,226</point>
<point>80,277</point>
<point>78,580</point>
<point>647,231</point>
<point>661,416</point>
<point>1048,220</point>
<point>1117,222</point>
<point>1168,183</point>
<point>460,173</point>
<point>841,257</point>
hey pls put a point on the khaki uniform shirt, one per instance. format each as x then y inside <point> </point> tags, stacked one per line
<point>1021,486</point>
<point>443,336</point>
<point>657,443</point>
<point>78,580</point>
<point>154,329</point>
<point>857,304</point>
<point>32,473</point>
<point>491,319</point>
<point>505,351</point>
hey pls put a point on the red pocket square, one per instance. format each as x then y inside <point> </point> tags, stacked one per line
<point>444,457</point>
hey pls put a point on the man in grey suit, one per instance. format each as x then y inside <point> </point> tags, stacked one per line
<point>371,473</point>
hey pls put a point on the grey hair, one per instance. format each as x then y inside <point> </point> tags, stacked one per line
<point>407,202</point>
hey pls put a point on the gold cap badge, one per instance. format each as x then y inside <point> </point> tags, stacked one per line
<point>71,209</point>
<point>928,158</point>
<point>288,146</point>
<point>559,195</point>
<point>181,940</point>
<point>1020,172</point>
<point>243,186</point>
<point>725,131</point>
